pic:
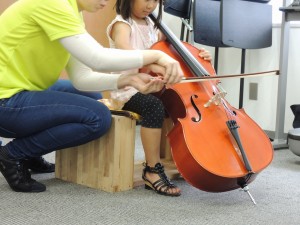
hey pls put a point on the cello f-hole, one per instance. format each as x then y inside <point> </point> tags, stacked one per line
<point>196,109</point>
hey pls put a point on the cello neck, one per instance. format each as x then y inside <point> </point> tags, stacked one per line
<point>187,57</point>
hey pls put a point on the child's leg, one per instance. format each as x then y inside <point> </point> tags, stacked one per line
<point>151,143</point>
<point>152,111</point>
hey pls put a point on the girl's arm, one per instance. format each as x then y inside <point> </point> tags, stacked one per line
<point>120,34</point>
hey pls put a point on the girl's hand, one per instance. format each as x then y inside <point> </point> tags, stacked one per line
<point>205,54</point>
<point>143,82</point>
<point>146,84</point>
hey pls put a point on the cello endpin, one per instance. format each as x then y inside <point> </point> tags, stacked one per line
<point>246,189</point>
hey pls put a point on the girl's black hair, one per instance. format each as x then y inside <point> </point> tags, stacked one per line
<point>123,8</point>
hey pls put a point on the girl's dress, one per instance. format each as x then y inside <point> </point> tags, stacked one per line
<point>142,37</point>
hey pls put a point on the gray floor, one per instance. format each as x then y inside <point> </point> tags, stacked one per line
<point>276,191</point>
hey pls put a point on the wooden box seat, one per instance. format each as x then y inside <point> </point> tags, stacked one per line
<point>108,163</point>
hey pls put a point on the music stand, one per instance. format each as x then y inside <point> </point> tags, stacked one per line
<point>182,9</point>
<point>246,25</point>
<point>206,25</point>
<point>179,8</point>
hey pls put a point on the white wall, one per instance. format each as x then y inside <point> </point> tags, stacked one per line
<point>263,110</point>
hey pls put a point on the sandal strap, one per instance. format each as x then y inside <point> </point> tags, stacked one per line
<point>163,185</point>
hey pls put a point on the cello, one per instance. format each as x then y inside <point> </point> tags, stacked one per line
<point>215,147</point>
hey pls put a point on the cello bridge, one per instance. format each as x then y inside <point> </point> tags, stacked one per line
<point>216,99</point>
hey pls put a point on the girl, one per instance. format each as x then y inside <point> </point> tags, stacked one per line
<point>38,40</point>
<point>133,29</point>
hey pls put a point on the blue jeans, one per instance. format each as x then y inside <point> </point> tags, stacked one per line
<point>44,121</point>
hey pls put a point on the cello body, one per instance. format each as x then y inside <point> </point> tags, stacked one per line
<point>203,148</point>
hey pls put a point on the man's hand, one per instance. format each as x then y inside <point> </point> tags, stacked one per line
<point>172,72</point>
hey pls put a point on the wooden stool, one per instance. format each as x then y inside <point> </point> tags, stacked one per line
<point>108,163</point>
<point>105,163</point>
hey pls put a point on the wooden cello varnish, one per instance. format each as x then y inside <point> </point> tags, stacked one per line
<point>216,148</point>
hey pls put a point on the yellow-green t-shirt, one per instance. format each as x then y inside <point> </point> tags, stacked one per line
<point>31,57</point>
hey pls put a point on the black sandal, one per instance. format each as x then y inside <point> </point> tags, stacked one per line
<point>161,186</point>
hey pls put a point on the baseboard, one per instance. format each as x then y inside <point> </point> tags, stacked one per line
<point>271,134</point>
